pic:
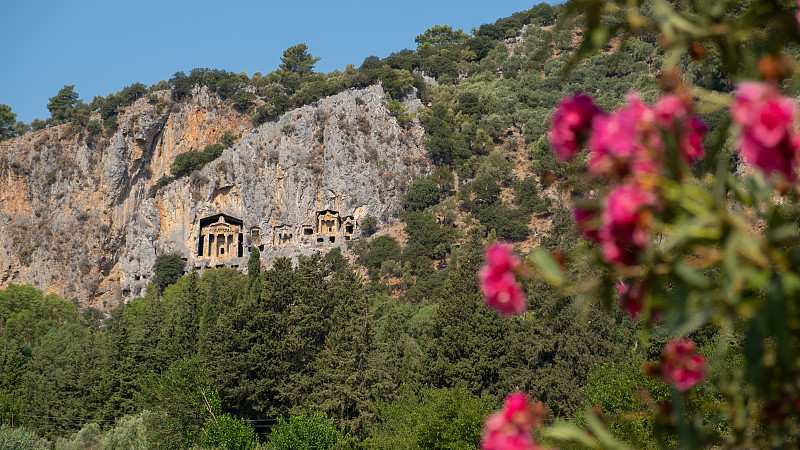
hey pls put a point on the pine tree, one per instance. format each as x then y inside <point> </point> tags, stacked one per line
<point>254,275</point>
<point>62,103</point>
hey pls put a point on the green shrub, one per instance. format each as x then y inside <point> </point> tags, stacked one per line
<point>129,433</point>
<point>434,418</point>
<point>399,112</point>
<point>163,181</point>
<point>313,431</point>
<point>188,162</point>
<point>508,223</point>
<point>88,437</point>
<point>227,139</point>
<point>110,124</point>
<point>20,439</point>
<point>529,197</point>
<point>94,128</point>
<point>229,433</point>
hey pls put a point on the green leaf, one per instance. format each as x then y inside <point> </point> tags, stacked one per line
<point>691,276</point>
<point>603,435</point>
<point>568,432</point>
<point>550,270</point>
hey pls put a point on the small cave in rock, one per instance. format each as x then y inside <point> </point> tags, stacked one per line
<point>332,238</point>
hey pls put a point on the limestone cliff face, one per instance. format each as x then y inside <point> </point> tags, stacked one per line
<point>80,221</point>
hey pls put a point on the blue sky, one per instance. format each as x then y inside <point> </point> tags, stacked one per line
<point>103,46</point>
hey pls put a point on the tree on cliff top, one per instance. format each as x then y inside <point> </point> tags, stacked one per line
<point>296,59</point>
<point>62,104</point>
<point>7,122</point>
<point>441,36</point>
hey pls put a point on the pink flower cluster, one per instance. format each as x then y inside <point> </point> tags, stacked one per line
<point>628,144</point>
<point>498,281</point>
<point>627,147</point>
<point>622,227</point>
<point>768,137</point>
<point>681,366</point>
<point>511,427</point>
<point>570,124</point>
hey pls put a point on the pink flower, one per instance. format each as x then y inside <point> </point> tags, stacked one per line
<point>766,119</point>
<point>587,221</point>
<point>691,142</point>
<point>498,282</point>
<point>631,298</point>
<point>681,366</point>
<point>669,109</point>
<point>511,427</point>
<point>517,409</point>
<point>674,117</point>
<point>625,228</point>
<point>570,124</point>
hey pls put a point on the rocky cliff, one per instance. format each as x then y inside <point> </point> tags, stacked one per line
<point>79,219</point>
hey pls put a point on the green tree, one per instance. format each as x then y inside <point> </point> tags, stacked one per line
<point>62,103</point>
<point>21,128</point>
<point>167,269</point>
<point>296,59</point>
<point>381,249</point>
<point>242,99</point>
<point>7,121</point>
<point>181,86</point>
<point>185,399</point>
<point>441,36</point>
<point>254,275</point>
<point>424,192</point>
<point>369,225</point>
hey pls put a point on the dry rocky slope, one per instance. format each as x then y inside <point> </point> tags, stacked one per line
<point>79,220</point>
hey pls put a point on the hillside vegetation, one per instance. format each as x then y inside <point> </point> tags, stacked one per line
<point>393,348</point>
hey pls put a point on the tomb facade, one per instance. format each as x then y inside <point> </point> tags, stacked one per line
<point>328,222</point>
<point>221,237</point>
